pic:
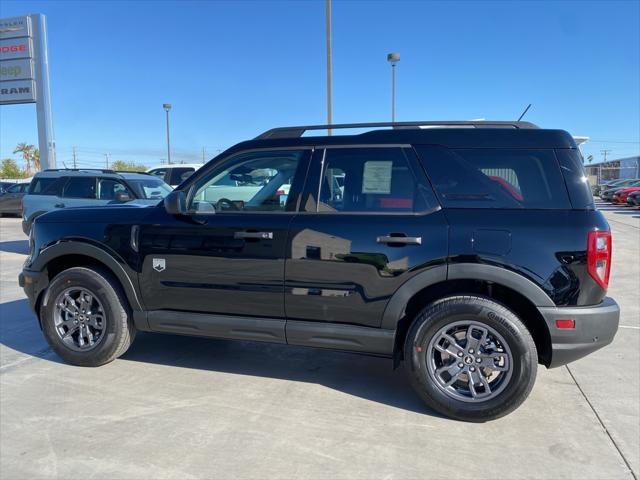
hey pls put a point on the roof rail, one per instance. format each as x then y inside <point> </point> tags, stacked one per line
<point>289,132</point>
<point>103,170</point>
<point>131,171</point>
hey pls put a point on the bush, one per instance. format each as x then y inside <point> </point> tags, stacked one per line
<point>10,169</point>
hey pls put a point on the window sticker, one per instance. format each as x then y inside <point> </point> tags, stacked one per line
<point>376,177</point>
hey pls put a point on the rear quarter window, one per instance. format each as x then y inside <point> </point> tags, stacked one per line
<point>495,178</point>
<point>46,186</point>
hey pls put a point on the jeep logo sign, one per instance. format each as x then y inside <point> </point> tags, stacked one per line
<point>22,91</point>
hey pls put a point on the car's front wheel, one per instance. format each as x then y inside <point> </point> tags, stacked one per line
<point>470,358</point>
<point>86,318</point>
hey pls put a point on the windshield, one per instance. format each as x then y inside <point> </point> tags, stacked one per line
<point>149,188</point>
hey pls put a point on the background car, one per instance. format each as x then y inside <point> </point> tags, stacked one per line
<point>621,195</point>
<point>64,188</point>
<point>607,195</point>
<point>11,199</point>
<point>5,185</point>
<point>634,199</point>
<point>598,189</point>
<point>174,174</point>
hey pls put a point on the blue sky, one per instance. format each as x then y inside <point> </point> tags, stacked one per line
<point>234,69</point>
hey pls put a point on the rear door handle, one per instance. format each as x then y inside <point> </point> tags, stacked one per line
<point>400,240</point>
<point>59,205</point>
<point>256,235</point>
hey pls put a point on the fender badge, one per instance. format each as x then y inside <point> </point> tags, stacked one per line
<point>159,264</point>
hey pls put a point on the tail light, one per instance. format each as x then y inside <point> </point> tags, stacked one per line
<point>599,257</point>
<point>280,192</point>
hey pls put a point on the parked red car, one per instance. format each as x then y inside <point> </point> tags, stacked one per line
<point>621,195</point>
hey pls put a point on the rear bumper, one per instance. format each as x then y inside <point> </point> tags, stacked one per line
<point>595,327</point>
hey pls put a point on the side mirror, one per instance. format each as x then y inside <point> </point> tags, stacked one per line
<point>175,203</point>
<point>122,197</point>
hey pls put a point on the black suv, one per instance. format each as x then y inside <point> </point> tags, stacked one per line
<point>470,252</point>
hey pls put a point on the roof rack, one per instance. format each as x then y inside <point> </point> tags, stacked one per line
<point>131,171</point>
<point>103,170</point>
<point>296,132</point>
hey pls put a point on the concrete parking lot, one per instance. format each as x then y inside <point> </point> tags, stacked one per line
<point>179,407</point>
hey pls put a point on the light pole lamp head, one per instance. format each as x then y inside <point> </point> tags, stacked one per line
<point>393,58</point>
<point>166,106</point>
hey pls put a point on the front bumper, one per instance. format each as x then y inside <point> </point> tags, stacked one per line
<point>595,327</point>
<point>26,226</point>
<point>33,283</point>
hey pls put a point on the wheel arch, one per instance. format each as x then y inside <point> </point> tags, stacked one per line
<point>63,255</point>
<point>512,290</point>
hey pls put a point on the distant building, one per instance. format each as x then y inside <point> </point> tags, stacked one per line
<point>628,167</point>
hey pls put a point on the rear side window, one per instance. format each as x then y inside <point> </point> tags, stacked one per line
<point>495,178</point>
<point>576,178</point>
<point>46,186</point>
<point>371,180</point>
<point>80,187</point>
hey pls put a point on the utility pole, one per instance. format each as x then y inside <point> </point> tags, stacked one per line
<point>605,152</point>
<point>328,35</point>
<point>107,157</point>
<point>393,58</point>
<point>75,164</point>
<point>167,107</point>
<point>203,154</point>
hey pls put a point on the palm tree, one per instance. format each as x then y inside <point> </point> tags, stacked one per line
<point>27,153</point>
<point>36,159</point>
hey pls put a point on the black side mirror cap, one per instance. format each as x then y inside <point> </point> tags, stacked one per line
<point>175,203</point>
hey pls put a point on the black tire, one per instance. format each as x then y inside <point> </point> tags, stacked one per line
<point>446,311</point>
<point>119,331</point>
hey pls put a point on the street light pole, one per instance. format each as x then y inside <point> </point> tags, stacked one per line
<point>328,35</point>
<point>393,58</point>
<point>167,107</point>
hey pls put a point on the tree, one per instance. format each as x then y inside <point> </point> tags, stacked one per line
<point>9,169</point>
<point>27,152</point>
<point>123,165</point>
<point>36,159</point>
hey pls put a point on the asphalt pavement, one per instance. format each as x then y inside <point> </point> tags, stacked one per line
<point>180,407</point>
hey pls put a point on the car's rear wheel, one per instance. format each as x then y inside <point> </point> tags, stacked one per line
<point>470,358</point>
<point>86,318</point>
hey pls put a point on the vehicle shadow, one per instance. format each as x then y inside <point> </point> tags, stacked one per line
<point>367,377</point>
<point>15,246</point>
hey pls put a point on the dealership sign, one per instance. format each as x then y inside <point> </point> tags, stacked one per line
<point>17,75</point>
<point>24,74</point>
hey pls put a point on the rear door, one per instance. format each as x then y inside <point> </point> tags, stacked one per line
<point>369,222</point>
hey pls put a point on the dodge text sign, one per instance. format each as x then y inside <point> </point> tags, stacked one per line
<point>20,91</point>
<point>11,48</point>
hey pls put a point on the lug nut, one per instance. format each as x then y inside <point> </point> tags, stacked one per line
<point>459,354</point>
<point>479,360</point>
<point>471,350</point>
<point>473,369</point>
<point>461,365</point>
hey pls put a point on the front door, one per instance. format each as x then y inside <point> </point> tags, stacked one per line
<point>227,256</point>
<point>370,222</point>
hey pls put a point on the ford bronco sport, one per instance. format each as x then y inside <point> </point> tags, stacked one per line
<point>469,254</point>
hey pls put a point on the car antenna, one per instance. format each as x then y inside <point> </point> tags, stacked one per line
<point>525,111</point>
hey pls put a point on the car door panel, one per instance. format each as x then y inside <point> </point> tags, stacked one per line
<point>344,267</point>
<point>218,260</point>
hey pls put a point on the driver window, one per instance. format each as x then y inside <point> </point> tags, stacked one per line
<point>256,181</point>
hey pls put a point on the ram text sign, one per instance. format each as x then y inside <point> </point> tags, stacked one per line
<point>21,91</point>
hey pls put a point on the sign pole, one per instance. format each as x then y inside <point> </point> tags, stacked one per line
<point>46,141</point>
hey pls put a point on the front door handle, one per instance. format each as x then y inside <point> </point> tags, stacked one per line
<point>255,235</point>
<point>403,240</point>
<point>59,205</point>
